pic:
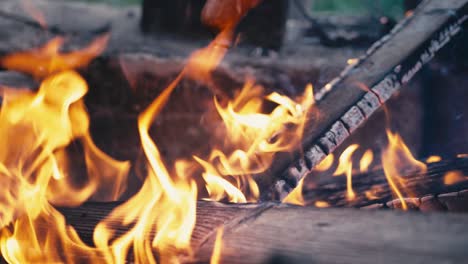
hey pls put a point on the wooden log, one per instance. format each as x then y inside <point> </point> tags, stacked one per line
<point>373,188</point>
<point>387,66</point>
<point>269,233</point>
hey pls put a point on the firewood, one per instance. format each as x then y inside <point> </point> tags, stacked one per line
<point>417,185</point>
<point>270,232</point>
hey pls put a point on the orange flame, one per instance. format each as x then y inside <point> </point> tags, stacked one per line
<point>366,160</point>
<point>454,177</point>
<point>325,164</point>
<point>395,159</point>
<point>47,60</point>
<point>296,197</point>
<point>254,140</point>
<point>321,204</point>
<point>36,128</point>
<point>37,165</point>
<point>345,166</point>
<point>433,159</point>
<point>216,256</point>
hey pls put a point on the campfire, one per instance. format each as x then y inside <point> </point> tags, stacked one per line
<point>200,159</point>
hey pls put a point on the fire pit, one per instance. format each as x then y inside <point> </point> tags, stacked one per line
<point>206,140</point>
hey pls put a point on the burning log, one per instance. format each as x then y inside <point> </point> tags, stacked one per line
<point>373,188</point>
<point>365,86</point>
<point>252,232</point>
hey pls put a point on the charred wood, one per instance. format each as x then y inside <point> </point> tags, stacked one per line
<point>373,188</point>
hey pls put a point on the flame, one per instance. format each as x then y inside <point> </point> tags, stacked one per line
<point>395,159</point>
<point>321,204</point>
<point>454,177</point>
<point>36,129</point>
<point>216,256</point>
<point>433,159</point>
<point>39,130</point>
<point>345,166</point>
<point>366,160</point>
<point>296,197</point>
<point>254,138</point>
<point>44,61</point>
<point>325,164</point>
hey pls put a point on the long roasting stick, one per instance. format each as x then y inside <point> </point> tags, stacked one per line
<point>387,66</point>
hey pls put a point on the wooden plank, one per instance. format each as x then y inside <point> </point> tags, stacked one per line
<point>267,232</point>
<point>372,188</point>
<point>305,235</point>
<point>387,66</point>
